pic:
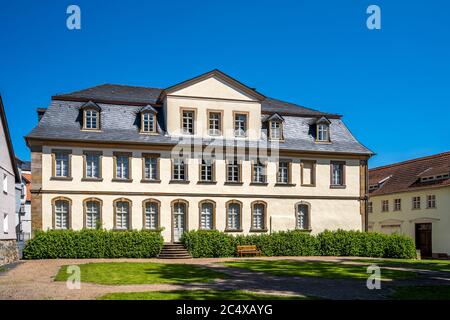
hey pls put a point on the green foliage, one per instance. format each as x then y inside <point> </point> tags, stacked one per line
<point>296,243</point>
<point>66,244</point>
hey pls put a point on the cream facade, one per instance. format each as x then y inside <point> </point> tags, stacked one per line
<point>320,188</point>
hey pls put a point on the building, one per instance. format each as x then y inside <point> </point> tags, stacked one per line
<point>413,198</point>
<point>23,218</point>
<point>116,156</point>
<point>10,176</point>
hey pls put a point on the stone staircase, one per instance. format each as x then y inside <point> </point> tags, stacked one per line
<point>174,251</point>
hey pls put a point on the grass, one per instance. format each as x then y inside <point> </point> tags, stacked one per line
<point>315,269</point>
<point>435,265</point>
<point>197,295</point>
<point>2,269</point>
<point>421,293</point>
<point>141,273</point>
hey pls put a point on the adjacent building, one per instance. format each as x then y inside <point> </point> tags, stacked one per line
<point>23,217</point>
<point>9,176</point>
<point>206,153</point>
<point>413,198</point>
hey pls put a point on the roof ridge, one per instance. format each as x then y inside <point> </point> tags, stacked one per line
<point>437,155</point>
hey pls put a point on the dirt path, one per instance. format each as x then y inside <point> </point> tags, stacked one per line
<point>34,280</point>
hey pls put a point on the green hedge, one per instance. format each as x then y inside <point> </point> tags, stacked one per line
<point>54,244</point>
<point>296,243</point>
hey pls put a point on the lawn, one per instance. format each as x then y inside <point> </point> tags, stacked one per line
<point>421,293</point>
<point>315,269</point>
<point>141,273</point>
<point>197,295</point>
<point>2,269</point>
<point>435,265</point>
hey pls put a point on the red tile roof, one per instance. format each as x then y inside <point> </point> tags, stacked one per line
<point>405,176</point>
<point>27,176</point>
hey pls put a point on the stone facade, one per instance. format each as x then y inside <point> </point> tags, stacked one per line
<point>8,251</point>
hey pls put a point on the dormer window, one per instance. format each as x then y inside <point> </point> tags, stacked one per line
<point>275,127</point>
<point>148,120</point>
<point>323,130</point>
<point>91,116</point>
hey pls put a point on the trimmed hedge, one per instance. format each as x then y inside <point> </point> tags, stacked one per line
<point>297,243</point>
<point>66,244</point>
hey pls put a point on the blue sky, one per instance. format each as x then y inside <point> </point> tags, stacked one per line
<point>392,85</point>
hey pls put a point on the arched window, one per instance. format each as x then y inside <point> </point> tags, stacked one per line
<point>259,210</point>
<point>122,214</point>
<point>234,216</point>
<point>303,213</point>
<point>151,214</point>
<point>92,213</point>
<point>61,213</point>
<point>207,215</point>
<point>179,219</point>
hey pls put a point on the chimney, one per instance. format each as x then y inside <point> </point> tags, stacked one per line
<point>40,113</point>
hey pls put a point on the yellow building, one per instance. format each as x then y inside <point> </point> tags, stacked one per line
<point>413,198</point>
<point>207,153</point>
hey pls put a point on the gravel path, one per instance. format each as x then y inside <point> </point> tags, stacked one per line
<point>34,280</point>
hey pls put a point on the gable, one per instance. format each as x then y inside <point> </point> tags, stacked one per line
<point>213,87</point>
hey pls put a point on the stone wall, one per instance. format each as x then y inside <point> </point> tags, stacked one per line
<point>8,251</point>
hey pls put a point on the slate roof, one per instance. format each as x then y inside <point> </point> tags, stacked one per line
<point>62,121</point>
<point>405,176</point>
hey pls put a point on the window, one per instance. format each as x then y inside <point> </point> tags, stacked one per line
<point>179,170</point>
<point>370,207</point>
<point>276,130</point>
<point>207,215</point>
<point>214,123</point>
<point>416,203</point>
<point>187,121</point>
<point>234,215</point>
<point>5,223</point>
<point>337,174</point>
<point>61,164</point>
<point>122,164</point>
<point>150,170</point>
<point>431,201</point>
<point>151,214</point>
<point>92,212</point>
<point>323,133</point>
<point>148,124</point>
<point>233,171</point>
<point>258,216</point>
<point>122,214</point>
<point>302,216</point>
<point>240,124</point>
<point>397,204</point>
<point>283,175</point>
<point>384,205</point>
<point>308,172</point>
<point>92,165</point>
<point>259,172</point>
<point>207,170</point>
<point>91,119</point>
<point>61,214</point>
<point>5,183</point>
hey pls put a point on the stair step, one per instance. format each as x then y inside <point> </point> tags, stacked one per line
<point>174,251</point>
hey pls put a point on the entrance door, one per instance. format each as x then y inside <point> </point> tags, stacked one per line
<point>179,220</point>
<point>423,239</point>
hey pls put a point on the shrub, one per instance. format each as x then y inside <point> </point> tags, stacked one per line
<point>296,243</point>
<point>54,244</point>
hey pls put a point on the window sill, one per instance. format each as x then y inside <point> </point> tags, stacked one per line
<point>323,142</point>
<point>92,179</point>
<point>280,184</point>
<point>232,183</point>
<point>338,186</point>
<point>258,230</point>
<point>304,230</point>
<point>233,230</point>
<point>207,182</point>
<point>91,130</point>
<point>179,181</point>
<point>309,185</point>
<point>61,178</point>
<point>150,181</point>
<point>117,229</point>
<point>121,180</point>
<point>259,184</point>
<point>149,133</point>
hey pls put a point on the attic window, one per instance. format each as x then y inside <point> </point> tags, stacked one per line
<point>148,120</point>
<point>323,130</point>
<point>435,178</point>
<point>91,116</point>
<point>275,127</point>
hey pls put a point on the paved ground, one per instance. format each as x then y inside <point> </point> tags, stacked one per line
<point>34,280</point>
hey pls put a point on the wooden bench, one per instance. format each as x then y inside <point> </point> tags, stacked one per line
<point>249,249</point>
